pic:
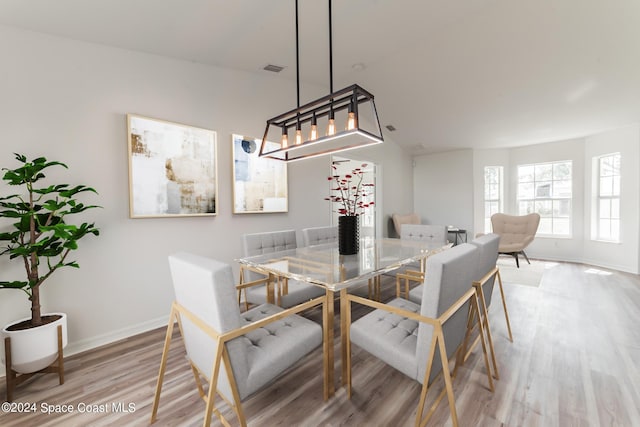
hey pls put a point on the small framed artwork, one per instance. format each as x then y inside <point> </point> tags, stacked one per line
<point>172,169</point>
<point>259,184</point>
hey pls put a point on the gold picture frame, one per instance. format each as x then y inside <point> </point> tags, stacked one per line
<point>172,169</point>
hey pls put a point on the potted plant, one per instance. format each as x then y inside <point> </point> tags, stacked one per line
<point>40,238</point>
<point>350,193</point>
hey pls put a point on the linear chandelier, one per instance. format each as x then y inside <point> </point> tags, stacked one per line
<point>343,120</point>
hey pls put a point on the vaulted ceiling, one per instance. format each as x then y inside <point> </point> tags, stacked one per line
<point>446,74</point>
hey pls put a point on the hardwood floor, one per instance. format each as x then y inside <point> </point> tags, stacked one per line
<point>573,362</point>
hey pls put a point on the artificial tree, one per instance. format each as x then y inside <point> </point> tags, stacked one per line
<point>40,231</point>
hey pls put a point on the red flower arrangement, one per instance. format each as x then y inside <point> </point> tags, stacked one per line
<point>350,192</point>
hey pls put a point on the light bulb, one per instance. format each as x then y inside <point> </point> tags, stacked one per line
<point>331,127</point>
<point>298,137</point>
<point>313,134</point>
<point>284,143</point>
<point>351,121</point>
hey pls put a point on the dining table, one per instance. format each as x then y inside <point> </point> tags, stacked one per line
<point>322,265</point>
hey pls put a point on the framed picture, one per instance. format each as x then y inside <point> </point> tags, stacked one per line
<point>259,184</point>
<point>172,169</point>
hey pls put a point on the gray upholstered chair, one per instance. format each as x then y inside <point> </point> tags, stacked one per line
<point>436,234</point>
<point>488,273</point>
<point>484,279</point>
<point>400,219</point>
<point>288,292</point>
<point>319,235</point>
<point>516,233</point>
<point>417,339</point>
<point>237,354</point>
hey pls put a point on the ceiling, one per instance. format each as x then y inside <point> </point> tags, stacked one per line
<point>447,74</point>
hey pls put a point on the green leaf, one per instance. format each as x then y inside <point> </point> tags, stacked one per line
<point>14,285</point>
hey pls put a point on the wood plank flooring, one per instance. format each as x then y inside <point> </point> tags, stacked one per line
<point>574,362</point>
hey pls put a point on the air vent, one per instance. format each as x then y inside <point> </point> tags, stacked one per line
<point>390,128</point>
<point>273,68</point>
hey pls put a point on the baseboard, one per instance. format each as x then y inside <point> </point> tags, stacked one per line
<point>595,263</point>
<point>108,338</point>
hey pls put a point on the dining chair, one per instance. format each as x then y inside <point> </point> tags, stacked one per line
<point>419,340</point>
<point>400,219</point>
<point>319,235</point>
<point>287,293</point>
<point>489,274</point>
<point>236,354</point>
<point>484,280</point>
<point>436,234</point>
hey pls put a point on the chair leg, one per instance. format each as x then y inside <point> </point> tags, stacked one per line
<point>346,313</point>
<point>515,255</point>
<point>485,317</point>
<point>504,305</point>
<point>525,257</point>
<point>163,365</point>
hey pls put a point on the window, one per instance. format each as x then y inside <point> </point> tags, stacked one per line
<point>493,194</point>
<point>545,188</point>
<point>608,198</point>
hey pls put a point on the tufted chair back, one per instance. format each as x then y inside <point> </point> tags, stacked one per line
<point>516,232</point>
<point>268,242</point>
<point>487,257</point>
<point>319,235</point>
<point>205,288</point>
<point>451,274</point>
<point>423,232</point>
<point>272,241</point>
<point>399,220</point>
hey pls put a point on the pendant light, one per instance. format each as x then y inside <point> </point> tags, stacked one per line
<point>347,116</point>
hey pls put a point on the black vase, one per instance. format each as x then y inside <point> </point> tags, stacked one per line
<point>348,235</point>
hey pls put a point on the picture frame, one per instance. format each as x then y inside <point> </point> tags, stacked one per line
<point>172,169</point>
<point>260,185</point>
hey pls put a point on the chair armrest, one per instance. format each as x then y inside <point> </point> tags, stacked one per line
<point>252,283</point>
<point>412,274</point>
<point>270,319</point>
<point>399,311</point>
<point>415,316</point>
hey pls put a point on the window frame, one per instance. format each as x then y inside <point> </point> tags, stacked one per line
<point>500,199</point>
<point>596,234</point>
<point>553,186</point>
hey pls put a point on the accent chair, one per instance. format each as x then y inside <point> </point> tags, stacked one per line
<point>516,233</point>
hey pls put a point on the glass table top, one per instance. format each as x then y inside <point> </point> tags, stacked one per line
<point>323,265</point>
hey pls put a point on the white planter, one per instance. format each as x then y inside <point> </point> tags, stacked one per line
<point>36,348</point>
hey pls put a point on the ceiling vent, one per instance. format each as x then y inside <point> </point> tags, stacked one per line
<point>273,68</point>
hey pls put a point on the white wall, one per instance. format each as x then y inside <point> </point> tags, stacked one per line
<point>67,101</point>
<point>482,158</point>
<point>443,189</point>
<point>624,255</point>
<point>579,247</point>
<point>567,249</point>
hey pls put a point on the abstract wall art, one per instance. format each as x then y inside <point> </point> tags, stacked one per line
<point>172,169</point>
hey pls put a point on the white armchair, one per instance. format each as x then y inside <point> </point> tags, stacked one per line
<point>516,233</point>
